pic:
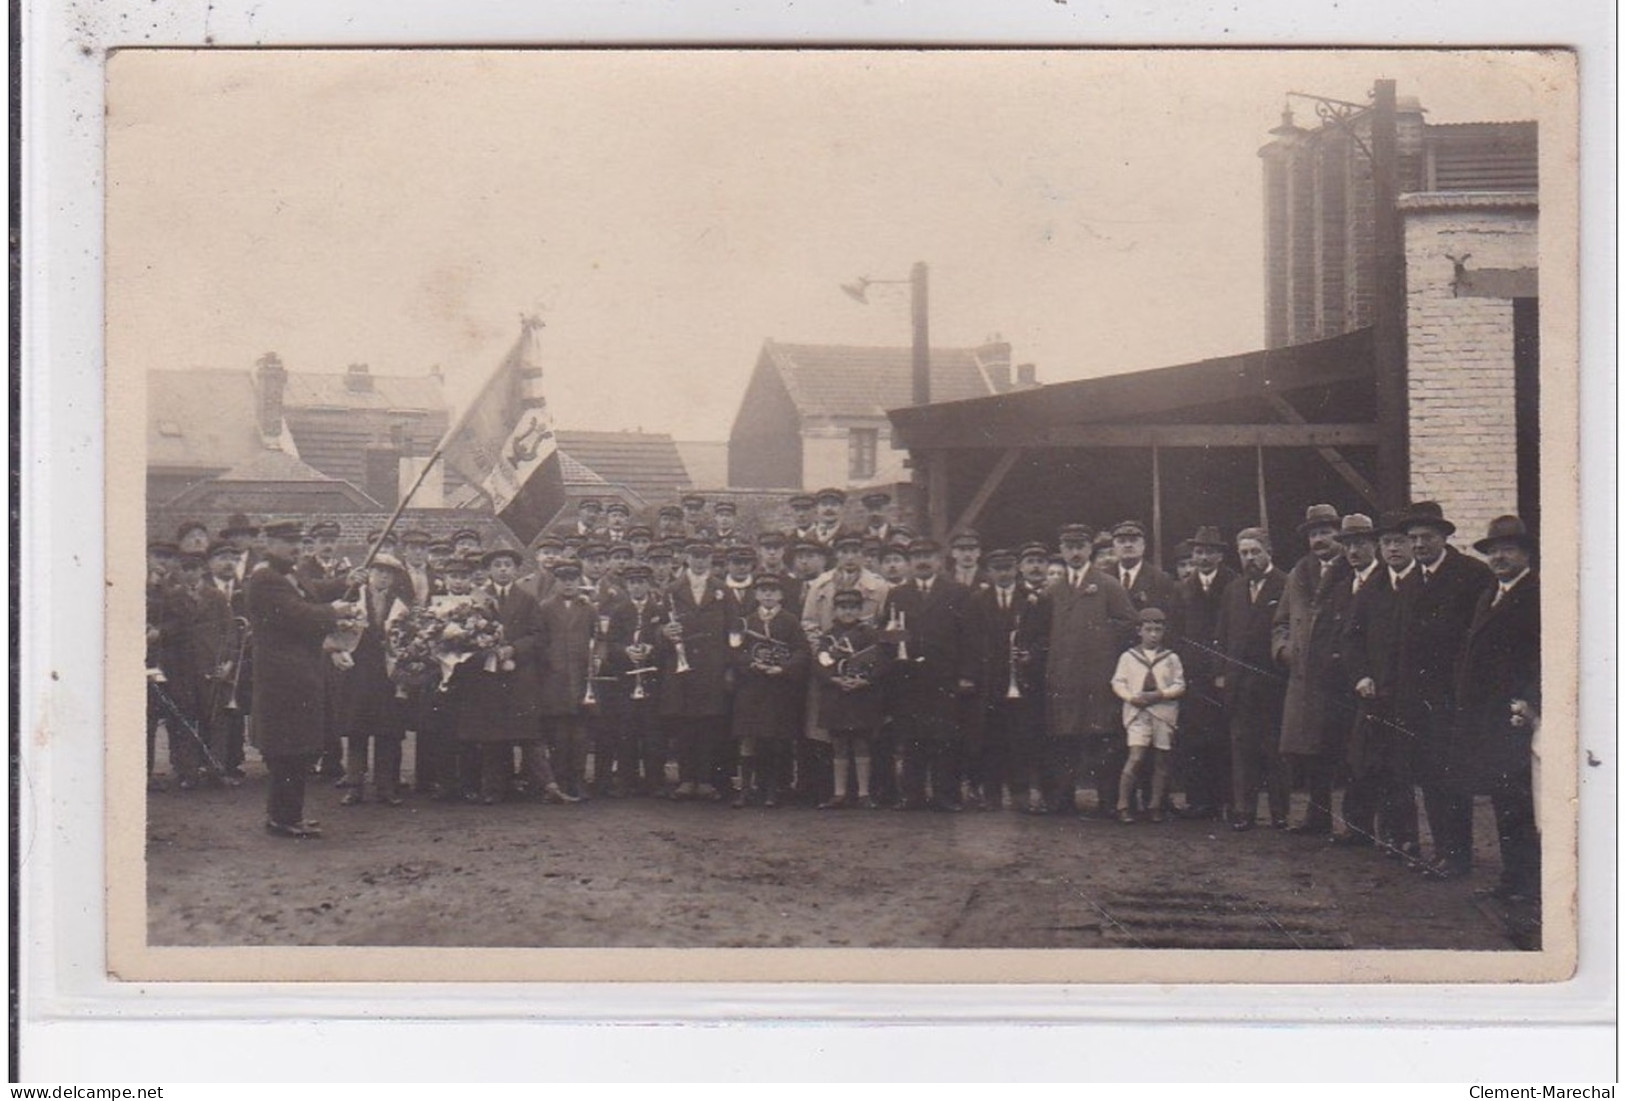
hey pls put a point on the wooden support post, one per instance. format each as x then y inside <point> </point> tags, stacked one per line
<point>984,493</point>
<point>936,494</point>
<point>1336,458</point>
<point>1388,313</point>
<point>1263,495</point>
<point>1156,506</point>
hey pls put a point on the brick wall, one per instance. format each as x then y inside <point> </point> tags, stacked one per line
<point>1463,447</point>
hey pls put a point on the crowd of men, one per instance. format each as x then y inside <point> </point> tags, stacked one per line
<point>840,668</point>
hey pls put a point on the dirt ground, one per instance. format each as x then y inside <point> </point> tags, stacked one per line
<point>648,872</point>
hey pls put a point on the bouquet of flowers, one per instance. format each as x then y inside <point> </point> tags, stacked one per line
<point>428,643</point>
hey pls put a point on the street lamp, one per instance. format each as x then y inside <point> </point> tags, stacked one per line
<point>918,282</point>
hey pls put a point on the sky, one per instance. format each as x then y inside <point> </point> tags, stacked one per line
<point>666,212</point>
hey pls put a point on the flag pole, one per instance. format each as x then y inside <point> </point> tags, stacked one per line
<point>526,323</point>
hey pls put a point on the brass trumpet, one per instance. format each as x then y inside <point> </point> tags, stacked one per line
<point>1014,691</point>
<point>682,665</point>
<point>898,621</point>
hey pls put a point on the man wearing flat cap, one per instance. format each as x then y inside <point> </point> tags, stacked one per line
<point>936,668</point>
<point>877,524</point>
<point>1449,584</point>
<point>669,523</point>
<point>803,515</point>
<point>1304,644</point>
<point>725,531</point>
<point>965,553</point>
<point>589,518</point>
<point>693,673</point>
<point>694,525</point>
<point>1001,742</point>
<point>617,516</point>
<point>1203,748</point>
<point>1498,704</point>
<point>829,504</point>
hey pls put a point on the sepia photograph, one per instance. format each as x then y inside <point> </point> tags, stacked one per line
<point>994,515</point>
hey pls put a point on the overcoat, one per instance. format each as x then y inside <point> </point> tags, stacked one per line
<point>567,635</point>
<point>1306,641</point>
<point>1500,662</point>
<point>925,696</point>
<point>1153,588</point>
<point>1374,630</point>
<point>290,670</point>
<point>1089,625</point>
<point>502,706</point>
<point>1440,613</point>
<point>1253,687</point>
<point>1199,652</point>
<point>197,635</point>
<point>818,602</point>
<point>768,706</point>
<point>702,692</point>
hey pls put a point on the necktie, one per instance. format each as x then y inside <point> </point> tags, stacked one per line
<point>1253,587</point>
<point>1004,600</point>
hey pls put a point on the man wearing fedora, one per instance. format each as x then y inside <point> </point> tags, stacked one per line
<point>1449,584</point>
<point>1379,804</point>
<point>1252,689</point>
<point>1305,641</point>
<point>1203,748</point>
<point>1498,695</point>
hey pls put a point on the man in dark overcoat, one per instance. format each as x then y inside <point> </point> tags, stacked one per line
<point>1498,700</point>
<point>925,619</point>
<point>1087,620</point>
<point>1305,644</point>
<point>290,676</point>
<point>1449,585</point>
<point>633,698</point>
<point>1379,804</point>
<point>497,708</point>
<point>694,700</point>
<point>1010,695</point>
<point>1203,744</point>
<point>569,635</point>
<point>1253,688</point>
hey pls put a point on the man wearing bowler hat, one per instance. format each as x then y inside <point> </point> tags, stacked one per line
<point>1305,643</point>
<point>1498,703</point>
<point>1449,584</point>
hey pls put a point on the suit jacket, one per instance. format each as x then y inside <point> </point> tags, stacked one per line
<point>502,706</point>
<point>993,627</point>
<point>1153,588</point>
<point>702,692</point>
<point>1440,614</point>
<point>1307,642</point>
<point>1087,628</point>
<point>568,628</point>
<point>1373,632</point>
<point>926,697</point>
<point>627,624</point>
<point>1253,688</point>
<point>1500,662</point>
<point>290,670</point>
<point>1199,649</point>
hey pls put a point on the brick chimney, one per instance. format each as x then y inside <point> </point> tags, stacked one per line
<point>270,382</point>
<point>357,379</point>
<point>1026,376</point>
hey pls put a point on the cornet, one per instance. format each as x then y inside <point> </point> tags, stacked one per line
<point>898,621</point>
<point>682,665</point>
<point>1014,691</point>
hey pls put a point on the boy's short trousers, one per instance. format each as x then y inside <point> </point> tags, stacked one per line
<point>1148,729</point>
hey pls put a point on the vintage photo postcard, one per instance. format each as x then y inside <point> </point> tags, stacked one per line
<point>1001,516</point>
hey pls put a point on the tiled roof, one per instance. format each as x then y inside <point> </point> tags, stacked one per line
<point>335,441</point>
<point>842,380</point>
<point>577,473</point>
<point>269,465</point>
<point>201,419</point>
<point>645,462</point>
<point>419,392</point>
